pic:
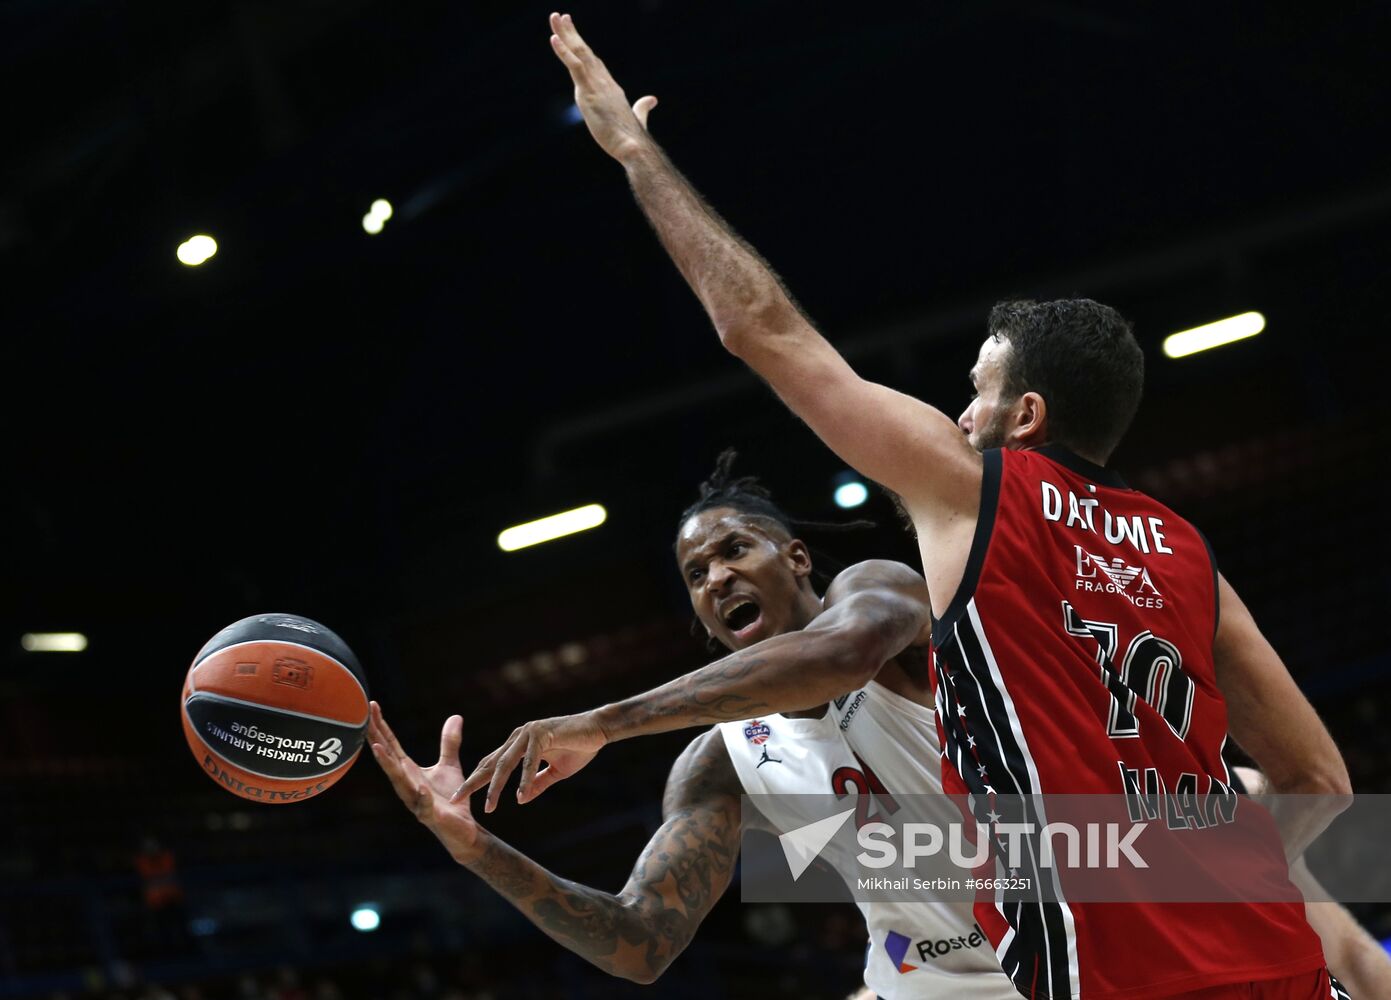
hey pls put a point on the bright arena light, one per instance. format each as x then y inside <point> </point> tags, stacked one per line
<point>376,217</point>
<point>1210,335</point>
<point>196,249</point>
<point>553,527</point>
<point>851,494</point>
<point>53,642</point>
<point>366,918</point>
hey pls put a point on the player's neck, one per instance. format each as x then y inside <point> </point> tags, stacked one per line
<point>1085,456</point>
<point>809,605</point>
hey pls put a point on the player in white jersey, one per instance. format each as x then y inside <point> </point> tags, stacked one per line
<point>866,746</point>
<point>820,698</point>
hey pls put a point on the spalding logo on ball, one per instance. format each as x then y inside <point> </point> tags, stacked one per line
<point>275,708</point>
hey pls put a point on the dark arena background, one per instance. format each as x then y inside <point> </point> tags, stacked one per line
<point>335,423</point>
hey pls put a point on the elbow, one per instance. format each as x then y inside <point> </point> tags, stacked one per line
<point>1328,777</point>
<point>731,339</point>
<point>854,660</point>
<point>736,336</point>
<point>863,669</point>
<point>870,635</point>
<point>745,326</point>
<point>1339,783</point>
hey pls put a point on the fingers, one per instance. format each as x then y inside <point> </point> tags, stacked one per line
<point>562,35</point>
<point>564,26</point>
<point>570,47</point>
<point>572,62</point>
<point>388,738</point>
<point>374,731</point>
<point>506,764</point>
<point>530,762</point>
<point>400,770</point>
<point>404,785</point>
<point>643,107</point>
<point>544,779</point>
<point>450,736</point>
<point>481,775</point>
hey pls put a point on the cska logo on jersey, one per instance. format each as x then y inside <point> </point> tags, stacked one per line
<point>1096,574</point>
<point>757,732</point>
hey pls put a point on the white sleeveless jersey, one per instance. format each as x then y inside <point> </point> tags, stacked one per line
<point>872,740</point>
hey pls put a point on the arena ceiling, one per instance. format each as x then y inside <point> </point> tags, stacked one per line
<point>340,423</point>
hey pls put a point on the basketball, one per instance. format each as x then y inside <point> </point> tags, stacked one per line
<point>275,708</point>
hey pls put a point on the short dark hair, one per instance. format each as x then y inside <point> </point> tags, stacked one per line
<point>1083,359</point>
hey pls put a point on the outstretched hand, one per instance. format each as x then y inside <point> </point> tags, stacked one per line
<point>426,791</point>
<point>616,127</point>
<point>565,743</point>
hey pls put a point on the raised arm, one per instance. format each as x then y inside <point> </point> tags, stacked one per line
<point>912,448</point>
<point>634,934</point>
<point>1272,721</point>
<point>873,611</point>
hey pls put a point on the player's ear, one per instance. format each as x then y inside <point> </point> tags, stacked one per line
<point>1030,421</point>
<point>798,558</point>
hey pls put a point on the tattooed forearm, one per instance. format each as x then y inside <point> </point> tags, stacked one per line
<point>506,870</point>
<point>786,673</point>
<point>587,921</point>
<point>873,612</point>
<point>679,876</point>
<point>702,698</point>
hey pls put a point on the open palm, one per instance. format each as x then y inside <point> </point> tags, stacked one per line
<point>426,790</point>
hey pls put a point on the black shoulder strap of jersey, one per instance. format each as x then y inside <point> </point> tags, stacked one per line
<point>980,542</point>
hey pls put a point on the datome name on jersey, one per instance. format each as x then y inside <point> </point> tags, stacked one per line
<point>1144,534</point>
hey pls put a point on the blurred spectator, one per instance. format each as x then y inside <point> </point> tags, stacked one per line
<point>166,916</point>
<point>287,986</point>
<point>158,875</point>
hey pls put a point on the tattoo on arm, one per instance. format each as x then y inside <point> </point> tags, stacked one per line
<point>874,611</point>
<point>701,698</point>
<point>682,872</point>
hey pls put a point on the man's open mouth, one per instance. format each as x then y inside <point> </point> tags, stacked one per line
<point>740,615</point>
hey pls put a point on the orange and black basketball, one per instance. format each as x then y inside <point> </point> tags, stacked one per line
<point>275,708</point>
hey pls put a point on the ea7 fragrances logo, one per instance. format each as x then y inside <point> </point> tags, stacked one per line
<point>1095,574</point>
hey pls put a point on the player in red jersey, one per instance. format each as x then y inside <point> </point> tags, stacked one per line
<point>1085,641</point>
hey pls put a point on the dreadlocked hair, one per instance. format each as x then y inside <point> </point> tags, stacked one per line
<point>748,496</point>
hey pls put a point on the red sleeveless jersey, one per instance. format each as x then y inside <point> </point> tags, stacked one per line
<point>1077,657</point>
